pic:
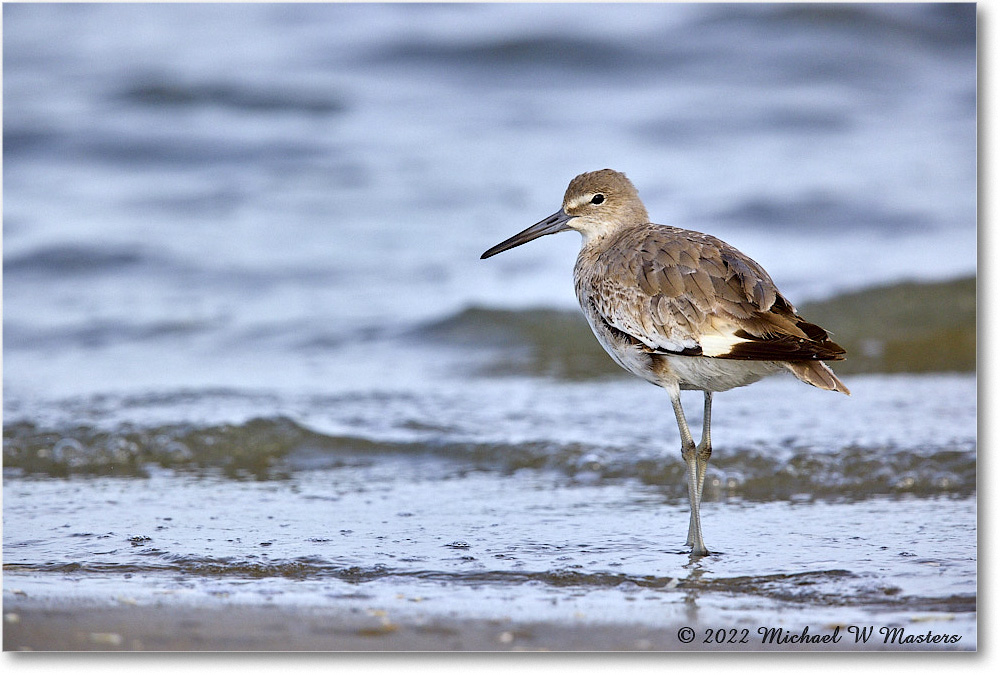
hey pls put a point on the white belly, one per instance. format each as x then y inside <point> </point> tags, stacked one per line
<point>711,374</point>
<point>687,372</point>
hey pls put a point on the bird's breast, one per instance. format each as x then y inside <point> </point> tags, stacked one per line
<point>623,349</point>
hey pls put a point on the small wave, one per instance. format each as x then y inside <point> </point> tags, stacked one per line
<point>945,26</point>
<point>546,342</point>
<point>188,150</point>
<point>552,52</point>
<point>100,334</point>
<point>29,139</point>
<point>277,448</point>
<point>74,260</point>
<point>244,450</point>
<point>688,129</point>
<point>825,587</point>
<point>822,212</point>
<point>166,93</point>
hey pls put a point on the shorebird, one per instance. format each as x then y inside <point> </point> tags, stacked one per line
<point>680,309</point>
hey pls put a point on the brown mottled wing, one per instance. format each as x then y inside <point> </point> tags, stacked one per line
<point>683,292</point>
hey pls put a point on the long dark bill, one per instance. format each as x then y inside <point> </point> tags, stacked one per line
<point>554,223</point>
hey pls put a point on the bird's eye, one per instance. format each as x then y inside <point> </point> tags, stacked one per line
<point>597,199</point>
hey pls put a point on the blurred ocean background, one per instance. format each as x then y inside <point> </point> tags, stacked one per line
<point>247,334</point>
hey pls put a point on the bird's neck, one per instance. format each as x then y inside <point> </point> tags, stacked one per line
<point>596,242</point>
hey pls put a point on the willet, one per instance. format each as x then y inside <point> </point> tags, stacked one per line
<point>680,309</point>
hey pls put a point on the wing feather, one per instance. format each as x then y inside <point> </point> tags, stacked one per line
<point>679,291</point>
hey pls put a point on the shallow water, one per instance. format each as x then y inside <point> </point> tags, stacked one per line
<point>488,511</point>
<point>527,547</point>
<point>251,354</point>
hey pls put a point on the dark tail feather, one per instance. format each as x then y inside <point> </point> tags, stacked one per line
<point>818,374</point>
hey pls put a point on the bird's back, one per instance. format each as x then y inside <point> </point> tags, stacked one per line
<point>679,292</point>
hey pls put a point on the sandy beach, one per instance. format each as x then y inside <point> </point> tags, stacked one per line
<point>255,628</point>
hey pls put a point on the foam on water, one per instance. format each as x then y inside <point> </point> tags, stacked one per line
<point>380,534</point>
<point>896,435</point>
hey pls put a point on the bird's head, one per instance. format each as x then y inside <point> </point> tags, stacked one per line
<point>596,204</point>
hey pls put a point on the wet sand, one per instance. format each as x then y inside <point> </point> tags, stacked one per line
<point>282,629</point>
<point>255,628</point>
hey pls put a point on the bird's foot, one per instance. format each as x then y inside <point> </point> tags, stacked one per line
<point>699,550</point>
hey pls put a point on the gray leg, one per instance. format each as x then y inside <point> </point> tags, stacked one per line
<point>702,454</point>
<point>690,455</point>
<point>705,447</point>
